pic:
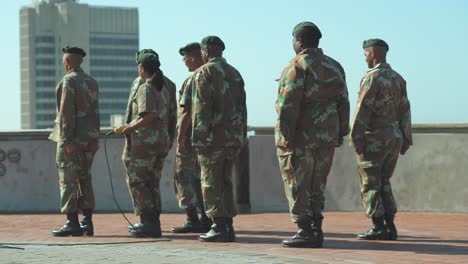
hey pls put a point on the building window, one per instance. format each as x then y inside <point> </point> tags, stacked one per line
<point>45,61</point>
<point>113,41</point>
<point>116,84</point>
<point>45,95</point>
<point>112,63</point>
<point>43,72</point>
<point>44,39</point>
<point>45,84</point>
<point>115,52</point>
<point>113,95</point>
<point>45,117</point>
<point>114,74</point>
<point>45,106</point>
<point>45,50</point>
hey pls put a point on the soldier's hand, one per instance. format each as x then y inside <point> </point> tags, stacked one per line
<point>359,147</point>
<point>404,148</point>
<point>72,149</point>
<point>92,146</point>
<point>128,129</point>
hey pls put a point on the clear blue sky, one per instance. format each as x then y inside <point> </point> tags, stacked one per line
<point>428,46</point>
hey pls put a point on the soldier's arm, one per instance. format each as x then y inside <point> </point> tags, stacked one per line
<point>148,109</point>
<point>67,111</point>
<point>172,122</point>
<point>343,109</point>
<point>202,105</point>
<point>364,110</point>
<point>244,112</point>
<point>405,121</point>
<point>185,118</point>
<point>289,100</point>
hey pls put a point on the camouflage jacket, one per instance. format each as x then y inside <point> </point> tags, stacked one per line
<point>312,104</point>
<point>146,98</point>
<point>172,110</point>
<point>77,109</point>
<point>383,108</point>
<point>219,111</point>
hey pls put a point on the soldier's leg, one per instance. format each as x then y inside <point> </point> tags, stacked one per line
<point>213,164</point>
<point>296,170</point>
<point>86,201</point>
<point>184,179</point>
<point>370,171</point>
<point>205,221</point>
<point>68,167</point>
<point>388,167</point>
<point>323,162</point>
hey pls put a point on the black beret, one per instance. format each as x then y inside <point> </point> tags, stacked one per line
<point>189,47</point>
<point>212,40</point>
<point>309,25</point>
<point>373,43</point>
<point>74,50</point>
<point>145,51</point>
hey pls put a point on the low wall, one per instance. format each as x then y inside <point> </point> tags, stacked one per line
<point>431,177</point>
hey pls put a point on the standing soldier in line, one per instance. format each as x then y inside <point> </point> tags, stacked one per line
<point>313,118</point>
<point>381,131</point>
<point>219,129</point>
<point>147,143</point>
<point>76,132</point>
<point>187,177</point>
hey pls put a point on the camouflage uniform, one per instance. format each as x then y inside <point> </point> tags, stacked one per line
<point>313,116</point>
<point>187,176</point>
<point>146,149</point>
<point>382,123</point>
<point>219,122</point>
<point>77,122</point>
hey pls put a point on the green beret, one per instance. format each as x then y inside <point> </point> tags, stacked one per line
<point>189,47</point>
<point>149,59</point>
<point>374,43</point>
<point>309,25</point>
<point>145,51</point>
<point>212,40</point>
<point>74,50</point>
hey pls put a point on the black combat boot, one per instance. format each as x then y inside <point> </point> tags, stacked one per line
<point>391,228</point>
<point>86,223</point>
<point>230,228</point>
<point>317,227</point>
<point>377,232</point>
<point>205,222</point>
<point>191,225</point>
<point>304,238</point>
<point>148,226</point>
<point>71,227</point>
<point>218,232</point>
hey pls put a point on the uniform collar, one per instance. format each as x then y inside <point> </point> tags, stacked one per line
<point>75,70</point>
<point>217,59</point>
<point>381,65</point>
<point>311,51</point>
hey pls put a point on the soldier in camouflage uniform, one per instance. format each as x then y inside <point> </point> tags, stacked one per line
<point>76,132</point>
<point>187,176</point>
<point>147,143</point>
<point>219,130</point>
<point>381,131</point>
<point>313,117</point>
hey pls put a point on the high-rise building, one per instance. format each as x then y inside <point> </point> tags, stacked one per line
<point>109,35</point>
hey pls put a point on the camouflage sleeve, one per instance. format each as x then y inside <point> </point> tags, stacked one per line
<point>172,113</point>
<point>343,108</point>
<point>146,100</point>
<point>185,105</point>
<point>364,109</point>
<point>244,112</point>
<point>67,111</point>
<point>290,95</point>
<point>202,105</point>
<point>405,113</point>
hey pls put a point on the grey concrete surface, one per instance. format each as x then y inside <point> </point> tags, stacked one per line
<point>431,177</point>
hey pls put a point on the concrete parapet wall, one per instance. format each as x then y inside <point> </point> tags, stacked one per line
<point>431,177</point>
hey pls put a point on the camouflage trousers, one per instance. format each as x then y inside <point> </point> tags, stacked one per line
<point>304,175</point>
<point>376,166</point>
<point>216,173</point>
<point>143,177</point>
<point>76,187</point>
<point>187,181</point>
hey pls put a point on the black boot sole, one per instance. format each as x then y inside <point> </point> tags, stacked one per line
<point>78,234</point>
<point>303,245</point>
<point>217,239</point>
<point>145,235</point>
